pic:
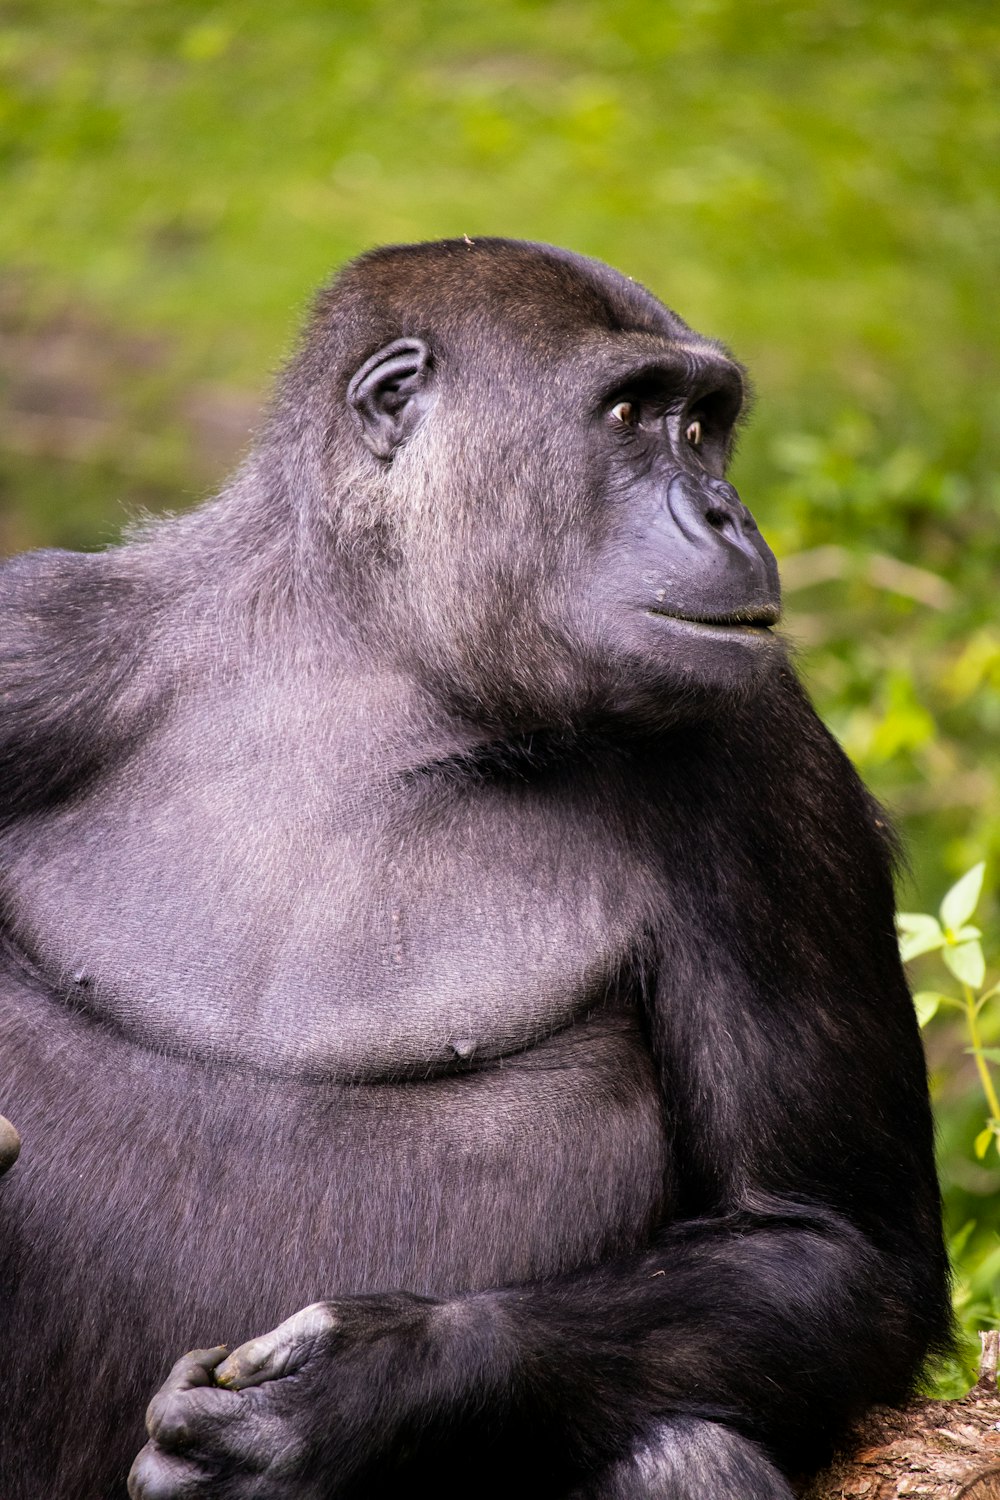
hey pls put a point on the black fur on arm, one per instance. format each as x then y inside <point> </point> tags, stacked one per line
<point>747,1344</point>
<point>783,1327</point>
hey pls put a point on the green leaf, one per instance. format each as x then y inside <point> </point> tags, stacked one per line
<point>926,1003</point>
<point>960,1239</point>
<point>991,1054</point>
<point>914,944</point>
<point>982,1142</point>
<point>960,902</point>
<point>915,921</point>
<point>920,934</point>
<point>966,962</point>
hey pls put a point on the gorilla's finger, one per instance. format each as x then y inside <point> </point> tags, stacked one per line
<point>188,1402</point>
<point>281,1352</point>
<point>161,1476</point>
<point>194,1369</point>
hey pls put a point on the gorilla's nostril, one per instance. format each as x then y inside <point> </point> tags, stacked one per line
<point>717,518</point>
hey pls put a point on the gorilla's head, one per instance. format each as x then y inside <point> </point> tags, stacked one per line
<point>518,458</point>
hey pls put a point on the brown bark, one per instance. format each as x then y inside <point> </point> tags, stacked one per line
<point>948,1450</point>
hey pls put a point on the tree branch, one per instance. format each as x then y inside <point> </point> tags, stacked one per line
<point>943,1450</point>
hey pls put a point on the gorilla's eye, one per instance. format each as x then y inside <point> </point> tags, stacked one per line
<point>625,413</point>
<point>693,434</point>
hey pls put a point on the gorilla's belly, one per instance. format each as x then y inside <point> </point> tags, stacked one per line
<point>547,1160</point>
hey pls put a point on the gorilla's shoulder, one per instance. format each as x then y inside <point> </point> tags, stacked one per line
<point>33,577</point>
<point>73,635</point>
<point>43,566</point>
<point>54,586</point>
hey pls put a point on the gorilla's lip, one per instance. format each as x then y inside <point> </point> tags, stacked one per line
<point>758,622</point>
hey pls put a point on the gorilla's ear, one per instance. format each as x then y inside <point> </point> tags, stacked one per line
<point>391,394</point>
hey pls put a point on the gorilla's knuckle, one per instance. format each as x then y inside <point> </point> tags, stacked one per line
<point>174,1417</point>
<point>154,1477</point>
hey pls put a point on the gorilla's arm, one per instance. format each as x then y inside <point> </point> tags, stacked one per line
<point>75,632</point>
<point>777,1329</point>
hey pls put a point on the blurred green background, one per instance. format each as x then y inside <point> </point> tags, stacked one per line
<point>817,184</point>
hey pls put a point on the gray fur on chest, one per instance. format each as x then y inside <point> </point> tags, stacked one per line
<point>273,916</point>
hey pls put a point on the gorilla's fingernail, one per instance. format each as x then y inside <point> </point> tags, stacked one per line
<point>10,1144</point>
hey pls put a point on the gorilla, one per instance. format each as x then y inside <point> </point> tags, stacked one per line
<point>437,928</point>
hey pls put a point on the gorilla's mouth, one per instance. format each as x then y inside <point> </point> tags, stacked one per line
<point>750,622</point>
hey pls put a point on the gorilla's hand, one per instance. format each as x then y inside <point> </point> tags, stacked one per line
<point>10,1145</point>
<point>330,1391</point>
<point>264,1422</point>
<point>204,1431</point>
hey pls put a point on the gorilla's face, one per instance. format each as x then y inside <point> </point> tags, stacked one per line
<point>568,539</point>
<point>684,586</point>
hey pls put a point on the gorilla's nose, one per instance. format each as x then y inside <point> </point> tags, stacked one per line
<point>724,508</point>
<point>710,518</point>
<point>700,505</point>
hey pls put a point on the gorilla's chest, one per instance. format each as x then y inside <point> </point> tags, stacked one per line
<point>313,927</point>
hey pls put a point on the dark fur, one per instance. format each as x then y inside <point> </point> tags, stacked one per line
<point>381,924</point>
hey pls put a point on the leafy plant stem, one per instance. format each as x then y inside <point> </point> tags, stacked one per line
<point>972,1019</point>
